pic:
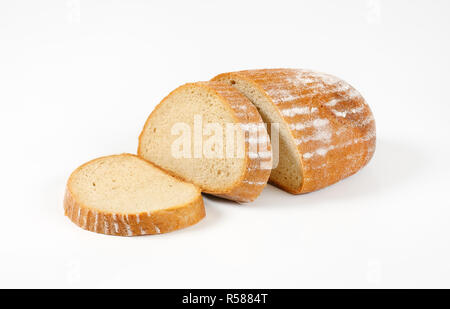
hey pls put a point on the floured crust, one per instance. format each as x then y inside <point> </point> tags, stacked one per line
<point>145,223</point>
<point>330,122</point>
<point>258,163</point>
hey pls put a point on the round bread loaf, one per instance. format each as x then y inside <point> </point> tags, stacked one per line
<point>327,130</point>
<point>126,196</point>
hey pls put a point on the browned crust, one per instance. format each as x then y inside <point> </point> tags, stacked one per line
<point>352,142</point>
<point>253,179</point>
<point>145,223</point>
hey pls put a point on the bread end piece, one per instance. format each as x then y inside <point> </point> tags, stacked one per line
<point>327,129</point>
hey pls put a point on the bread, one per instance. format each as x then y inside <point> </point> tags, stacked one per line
<point>176,138</point>
<point>127,196</point>
<point>327,131</point>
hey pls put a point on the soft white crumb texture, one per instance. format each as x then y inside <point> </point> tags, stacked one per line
<point>128,185</point>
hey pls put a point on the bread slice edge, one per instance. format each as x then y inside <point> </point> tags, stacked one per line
<point>121,224</point>
<point>248,187</point>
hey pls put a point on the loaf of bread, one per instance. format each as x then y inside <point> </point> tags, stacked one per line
<point>127,196</point>
<point>211,135</point>
<point>327,131</point>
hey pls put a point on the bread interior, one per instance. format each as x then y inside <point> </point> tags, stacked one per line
<point>126,184</point>
<point>216,173</point>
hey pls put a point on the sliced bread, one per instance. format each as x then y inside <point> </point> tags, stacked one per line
<point>127,196</point>
<point>209,134</point>
<point>327,131</point>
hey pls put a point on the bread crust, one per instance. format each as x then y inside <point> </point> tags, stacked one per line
<point>257,165</point>
<point>145,223</point>
<point>307,100</point>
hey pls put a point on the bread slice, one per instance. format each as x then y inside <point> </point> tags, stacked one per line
<point>327,131</point>
<point>127,196</point>
<point>209,134</point>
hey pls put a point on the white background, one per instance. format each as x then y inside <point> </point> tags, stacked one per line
<point>79,78</point>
